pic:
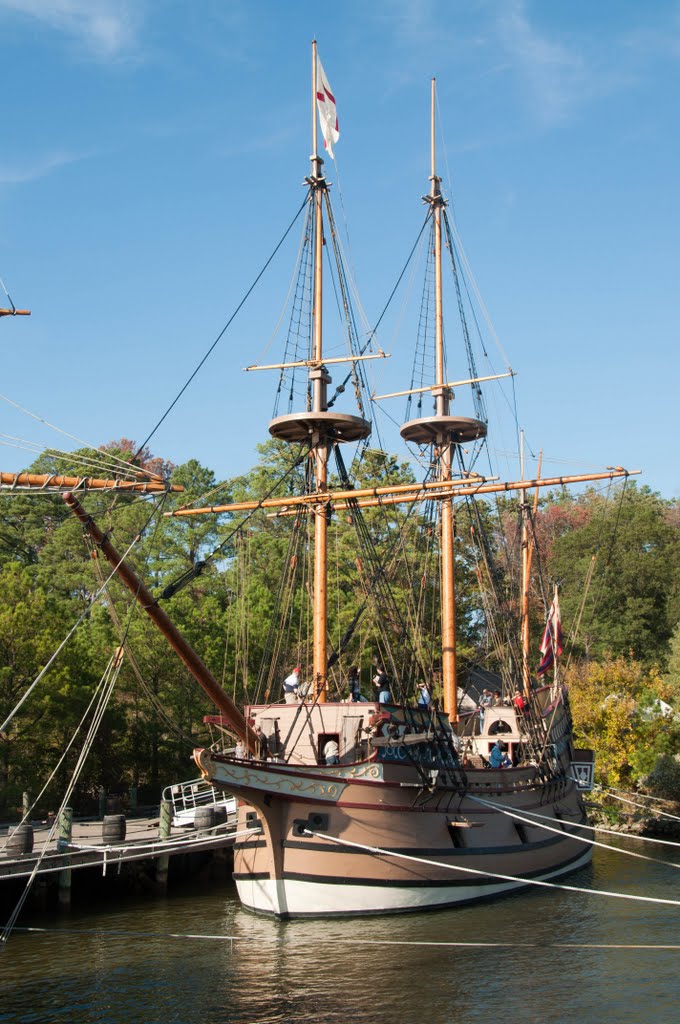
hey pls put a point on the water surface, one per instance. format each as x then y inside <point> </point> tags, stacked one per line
<point>197,956</point>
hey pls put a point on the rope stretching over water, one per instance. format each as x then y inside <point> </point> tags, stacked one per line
<point>279,939</point>
<point>379,851</point>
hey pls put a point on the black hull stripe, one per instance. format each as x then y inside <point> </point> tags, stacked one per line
<point>390,883</point>
<point>448,851</point>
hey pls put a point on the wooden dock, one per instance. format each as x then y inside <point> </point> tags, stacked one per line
<point>193,826</point>
<point>88,848</point>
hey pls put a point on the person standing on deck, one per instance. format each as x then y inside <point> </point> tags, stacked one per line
<point>520,702</point>
<point>290,686</point>
<point>354,684</point>
<point>261,745</point>
<point>424,697</point>
<point>498,757</point>
<point>381,686</point>
<point>331,752</point>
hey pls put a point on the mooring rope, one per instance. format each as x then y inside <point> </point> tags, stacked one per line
<point>613,793</point>
<point>100,685</point>
<point>278,939</point>
<point>380,852</point>
<point>539,819</point>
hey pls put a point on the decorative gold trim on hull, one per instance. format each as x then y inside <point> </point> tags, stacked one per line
<point>238,777</point>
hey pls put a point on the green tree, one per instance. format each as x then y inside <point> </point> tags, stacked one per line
<point>615,713</point>
<point>629,607</point>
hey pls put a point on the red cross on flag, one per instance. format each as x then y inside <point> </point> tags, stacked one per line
<point>328,115</point>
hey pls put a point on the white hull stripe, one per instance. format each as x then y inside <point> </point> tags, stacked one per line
<point>297,897</point>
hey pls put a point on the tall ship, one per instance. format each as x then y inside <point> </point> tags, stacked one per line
<point>365,783</point>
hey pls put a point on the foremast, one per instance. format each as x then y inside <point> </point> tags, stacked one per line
<point>444,432</point>
<point>320,379</point>
<point>320,427</point>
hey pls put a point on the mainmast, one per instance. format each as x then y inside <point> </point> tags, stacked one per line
<point>444,432</point>
<point>319,426</point>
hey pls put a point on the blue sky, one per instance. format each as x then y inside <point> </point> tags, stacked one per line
<point>152,154</point>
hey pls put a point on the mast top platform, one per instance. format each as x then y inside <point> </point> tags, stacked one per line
<point>443,429</point>
<point>330,425</point>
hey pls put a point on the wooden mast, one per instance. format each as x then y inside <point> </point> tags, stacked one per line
<point>524,596</point>
<point>442,396</point>
<point>527,558</point>
<point>319,450</point>
<point>319,427</point>
<point>444,432</point>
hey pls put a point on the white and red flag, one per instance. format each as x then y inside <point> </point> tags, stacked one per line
<point>552,643</point>
<point>328,114</point>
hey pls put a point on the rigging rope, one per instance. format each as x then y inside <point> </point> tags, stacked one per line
<point>68,636</point>
<point>223,331</point>
<point>103,465</point>
<point>172,588</point>
<point>112,670</point>
<point>107,456</point>
<point>339,390</point>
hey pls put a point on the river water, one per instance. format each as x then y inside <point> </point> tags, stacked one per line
<point>542,956</point>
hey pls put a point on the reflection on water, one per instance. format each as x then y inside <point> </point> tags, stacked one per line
<point>197,956</point>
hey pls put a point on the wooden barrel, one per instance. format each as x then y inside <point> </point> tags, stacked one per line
<point>113,828</point>
<point>204,817</point>
<point>20,841</point>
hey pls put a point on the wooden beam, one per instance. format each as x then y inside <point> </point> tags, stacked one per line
<point>450,384</point>
<point>405,493</point>
<point>51,483</point>
<point>318,362</point>
<point>453,489</point>
<point>318,498</point>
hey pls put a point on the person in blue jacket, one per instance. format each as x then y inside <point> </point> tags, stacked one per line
<point>498,757</point>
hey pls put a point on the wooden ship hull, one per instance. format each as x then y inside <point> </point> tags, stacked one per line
<point>388,832</point>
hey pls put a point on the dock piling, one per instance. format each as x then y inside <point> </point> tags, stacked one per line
<point>164,828</point>
<point>64,833</point>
